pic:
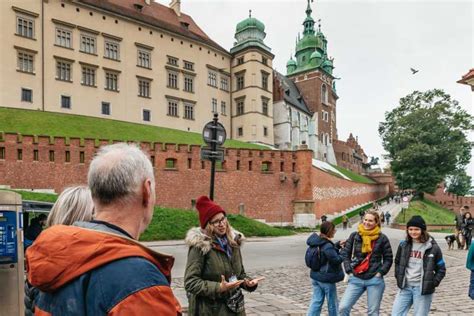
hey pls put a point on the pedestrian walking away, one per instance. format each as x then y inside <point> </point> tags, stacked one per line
<point>98,267</point>
<point>382,218</point>
<point>328,271</point>
<point>367,259</point>
<point>345,221</point>
<point>387,218</point>
<point>466,229</point>
<point>419,269</point>
<point>215,274</point>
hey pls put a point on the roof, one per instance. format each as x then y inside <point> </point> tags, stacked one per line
<point>466,77</point>
<point>291,93</point>
<point>156,15</point>
<point>248,23</point>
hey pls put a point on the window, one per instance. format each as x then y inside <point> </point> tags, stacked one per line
<point>172,80</point>
<point>111,81</point>
<point>190,163</point>
<point>223,108</point>
<point>265,81</point>
<point>105,108</point>
<point>240,60</point>
<point>2,152</point>
<point>88,44</point>
<point>82,157</point>
<point>146,115</point>
<point>240,82</point>
<point>25,62</point>
<point>26,95</point>
<point>264,60</point>
<point>170,163</point>
<point>188,65</point>
<point>325,116</point>
<point>225,83</point>
<point>266,166</point>
<point>188,84</point>
<point>240,131</point>
<point>67,156</point>
<point>35,155</point>
<point>144,88</point>
<point>212,79</point>
<point>63,37</point>
<point>112,50</point>
<point>189,111</point>
<point>237,165</point>
<point>19,154</point>
<point>265,106</point>
<point>265,131</point>
<point>65,102</point>
<point>144,58</point>
<point>25,27</point>
<point>240,107</point>
<point>88,76</point>
<point>51,155</point>
<point>214,105</point>
<point>63,70</point>
<point>324,94</point>
<point>172,61</point>
<point>172,108</point>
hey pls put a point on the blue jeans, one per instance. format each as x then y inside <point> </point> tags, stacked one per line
<point>321,290</point>
<point>356,288</point>
<point>411,295</point>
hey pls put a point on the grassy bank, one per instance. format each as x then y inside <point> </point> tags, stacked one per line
<point>36,196</point>
<point>431,212</point>
<point>353,176</point>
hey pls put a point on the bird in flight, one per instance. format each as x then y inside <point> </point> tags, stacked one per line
<point>414,71</point>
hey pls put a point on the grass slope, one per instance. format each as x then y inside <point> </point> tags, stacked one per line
<point>30,122</point>
<point>353,176</point>
<point>35,196</point>
<point>168,224</point>
<point>431,212</point>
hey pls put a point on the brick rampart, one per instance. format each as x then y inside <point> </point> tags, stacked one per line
<point>451,201</point>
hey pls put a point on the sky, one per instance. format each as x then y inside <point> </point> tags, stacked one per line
<point>374,45</point>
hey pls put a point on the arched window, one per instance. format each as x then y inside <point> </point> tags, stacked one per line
<point>324,94</point>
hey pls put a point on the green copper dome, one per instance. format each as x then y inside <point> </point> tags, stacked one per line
<point>250,23</point>
<point>291,62</point>
<point>316,54</point>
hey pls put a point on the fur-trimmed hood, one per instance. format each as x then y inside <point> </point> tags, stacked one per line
<point>196,237</point>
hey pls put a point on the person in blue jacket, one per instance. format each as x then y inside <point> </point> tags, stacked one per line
<point>324,280</point>
<point>470,266</point>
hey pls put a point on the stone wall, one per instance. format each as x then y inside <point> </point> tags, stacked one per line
<point>451,201</point>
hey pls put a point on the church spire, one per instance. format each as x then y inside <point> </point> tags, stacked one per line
<point>308,9</point>
<point>308,22</point>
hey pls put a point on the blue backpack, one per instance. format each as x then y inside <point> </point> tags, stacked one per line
<point>313,258</point>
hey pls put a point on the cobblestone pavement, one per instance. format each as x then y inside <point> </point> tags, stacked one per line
<point>287,290</point>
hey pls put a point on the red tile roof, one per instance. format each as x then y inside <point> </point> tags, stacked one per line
<point>157,15</point>
<point>467,76</point>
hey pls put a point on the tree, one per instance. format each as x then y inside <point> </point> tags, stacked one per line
<point>459,182</point>
<point>425,137</point>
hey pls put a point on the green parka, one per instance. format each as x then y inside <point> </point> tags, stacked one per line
<point>206,263</point>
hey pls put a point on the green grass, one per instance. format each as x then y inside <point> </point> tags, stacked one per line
<point>353,176</point>
<point>338,220</point>
<point>30,122</point>
<point>431,212</point>
<point>35,196</point>
<point>169,224</point>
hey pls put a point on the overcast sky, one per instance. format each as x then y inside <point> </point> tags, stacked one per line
<point>374,44</point>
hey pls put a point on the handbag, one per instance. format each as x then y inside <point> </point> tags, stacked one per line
<point>235,302</point>
<point>364,264</point>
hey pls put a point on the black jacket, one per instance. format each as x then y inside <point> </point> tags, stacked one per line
<point>434,268</point>
<point>331,269</point>
<point>381,259</point>
<point>30,294</point>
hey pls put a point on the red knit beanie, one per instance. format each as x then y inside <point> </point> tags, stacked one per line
<point>207,209</point>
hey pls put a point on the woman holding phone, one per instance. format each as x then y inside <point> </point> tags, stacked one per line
<point>215,275</point>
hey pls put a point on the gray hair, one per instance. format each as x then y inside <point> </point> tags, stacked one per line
<point>117,172</point>
<point>73,204</point>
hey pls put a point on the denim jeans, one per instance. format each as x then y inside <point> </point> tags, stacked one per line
<point>411,295</point>
<point>356,287</point>
<point>321,290</point>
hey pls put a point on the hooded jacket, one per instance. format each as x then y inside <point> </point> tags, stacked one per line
<point>81,271</point>
<point>207,261</point>
<point>331,260</point>
<point>434,268</point>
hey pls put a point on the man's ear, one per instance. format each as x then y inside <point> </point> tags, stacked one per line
<point>147,191</point>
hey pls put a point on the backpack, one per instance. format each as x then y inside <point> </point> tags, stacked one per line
<point>313,258</point>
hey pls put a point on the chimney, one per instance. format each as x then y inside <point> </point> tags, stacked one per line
<point>176,6</point>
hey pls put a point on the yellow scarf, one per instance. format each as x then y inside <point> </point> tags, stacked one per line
<point>367,237</point>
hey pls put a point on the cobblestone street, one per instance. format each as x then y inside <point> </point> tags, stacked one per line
<point>287,290</point>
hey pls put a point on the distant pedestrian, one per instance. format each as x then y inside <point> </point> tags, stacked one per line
<point>458,221</point>
<point>382,218</point>
<point>361,215</point>
<point>387,218</point>
<point>470,266</point>
<point>345,221</point>
<point>367,258</point>
<point>324,218</point>
<point>330,272</point>
<point>34,229</point>
<point>466,229</point>
<point>419,269</point>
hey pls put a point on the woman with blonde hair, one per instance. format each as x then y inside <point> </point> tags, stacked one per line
<point>367,258</point>
<point>74,204</point>
<point>214,272</point>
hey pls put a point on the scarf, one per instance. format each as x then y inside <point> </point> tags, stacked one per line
<point>224,243</point>
<point>367,237</point>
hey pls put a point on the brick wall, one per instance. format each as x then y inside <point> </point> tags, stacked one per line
<point>269,195</point>
<point>451,201</point>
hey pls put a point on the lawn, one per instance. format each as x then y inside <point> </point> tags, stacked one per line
<point>431,212</point>
<point>29,122</point>
<point>35,196</point>
<point>353,176</point>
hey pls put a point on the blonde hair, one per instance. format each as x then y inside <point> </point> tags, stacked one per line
<point>375,214</point>
<point>230,238</point>
<point>73,204</point>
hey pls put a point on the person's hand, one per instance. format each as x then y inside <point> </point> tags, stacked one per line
<point>342,243</point>
<point>226,286</point>
<point>253,282</point>
<point>378,275</point>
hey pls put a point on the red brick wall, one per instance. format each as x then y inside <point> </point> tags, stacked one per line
<point>451,201</point>
<point>266,195</point>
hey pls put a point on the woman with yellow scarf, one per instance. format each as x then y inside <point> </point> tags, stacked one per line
<point>367,258</point>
